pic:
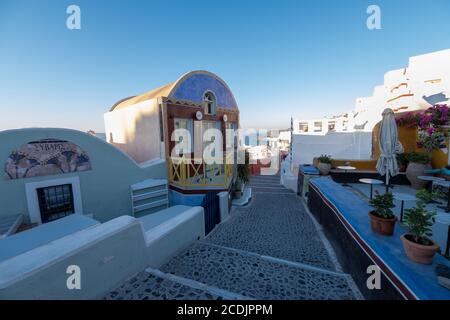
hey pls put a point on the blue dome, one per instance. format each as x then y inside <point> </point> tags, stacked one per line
<point>193,86</point>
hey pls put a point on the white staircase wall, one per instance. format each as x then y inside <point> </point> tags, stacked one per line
<point>354,145</point>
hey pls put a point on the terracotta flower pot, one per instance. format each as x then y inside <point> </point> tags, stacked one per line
<point>324,168</point>
<point>413,171</point>
<point>382,225</point>
<point>418,252</point>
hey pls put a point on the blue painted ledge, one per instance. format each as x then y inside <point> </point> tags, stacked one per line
<point>308,169</point>
<point>421,280</point>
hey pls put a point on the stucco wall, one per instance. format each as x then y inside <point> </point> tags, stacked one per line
<point>105,190</point>
<point>355,145</point>
<point>136,130</point>
<point>107,254</point>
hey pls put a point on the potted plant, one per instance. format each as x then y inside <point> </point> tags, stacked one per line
<point>417,163</point>
<point>417,244</point>
<point>427,197</point>
<point>402,161</point>
<point>424,195</point>
<point>243,176</point>
<point>238,188</point>
<point>382,219</point>
<point>324,165</point>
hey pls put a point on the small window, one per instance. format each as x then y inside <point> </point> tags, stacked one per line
<point>318,126</point>
<point>344,125</point>
<point>332,126</point>
<point>180,123</point>
<point>55,202</point>
<point>209,125</point>
<point>210,103</point>
<point>303,127</point>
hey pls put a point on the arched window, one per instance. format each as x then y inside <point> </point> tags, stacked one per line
<point>210,102</point>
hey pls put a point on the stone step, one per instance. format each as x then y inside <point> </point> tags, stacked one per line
<point>155,285</point>
<point>195,285</point>
<point>266,178</point>
<point>277,183</point>
<point>277,225</point>
<point>257,189</point>
<point>254,276</point>
<point>276,260</point>
<point>264,184</point>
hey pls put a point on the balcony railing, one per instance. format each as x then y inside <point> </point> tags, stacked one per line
<point>185,172</point>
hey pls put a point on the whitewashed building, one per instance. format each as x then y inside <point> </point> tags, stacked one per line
<point>423,83</point>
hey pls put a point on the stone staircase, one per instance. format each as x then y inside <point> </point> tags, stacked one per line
<point>269,250</point>
<point>267,184</point>
<point>210,272</point>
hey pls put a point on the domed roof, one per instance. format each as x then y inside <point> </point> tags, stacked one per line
<point>191,86</point>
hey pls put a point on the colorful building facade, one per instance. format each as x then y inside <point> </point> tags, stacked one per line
<point>144,126</point>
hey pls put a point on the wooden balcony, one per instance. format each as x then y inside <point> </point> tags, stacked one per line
<point>186,173</point>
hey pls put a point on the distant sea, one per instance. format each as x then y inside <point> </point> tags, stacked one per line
<point>252,140</point>
<point>101,136</point>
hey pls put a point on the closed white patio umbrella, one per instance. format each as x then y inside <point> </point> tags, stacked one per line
<point>389,146</point>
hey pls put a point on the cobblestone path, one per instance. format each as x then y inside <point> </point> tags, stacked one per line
<point>270,249</point>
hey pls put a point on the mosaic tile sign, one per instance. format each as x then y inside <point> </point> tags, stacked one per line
<point>46,157</point>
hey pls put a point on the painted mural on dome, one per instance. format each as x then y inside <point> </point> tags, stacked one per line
<point>46,157</point>
<point>193,89</point>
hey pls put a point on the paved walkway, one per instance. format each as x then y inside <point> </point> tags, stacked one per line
<point>270,249</point>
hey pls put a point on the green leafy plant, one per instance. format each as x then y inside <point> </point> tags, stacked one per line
<point>243,169</point>
<point>419,157</point>
<point>419,221</point>
<point>402,159</point>
<point>239,185</point>
<point>426,196</point>
<point>431,139</point>
<point>439,194</point>
<point>324,159</point>
<point>383,205</point>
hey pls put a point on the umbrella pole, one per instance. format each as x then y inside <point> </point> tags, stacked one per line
<point>387,180</point>
<point>387,183</point>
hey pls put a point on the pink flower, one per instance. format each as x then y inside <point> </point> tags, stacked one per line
<point>425,120</point>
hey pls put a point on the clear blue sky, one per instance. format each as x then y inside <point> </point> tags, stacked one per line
<point>281,58</point>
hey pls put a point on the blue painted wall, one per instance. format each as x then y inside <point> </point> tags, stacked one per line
<point>193,88</point>
<point>177,198</point>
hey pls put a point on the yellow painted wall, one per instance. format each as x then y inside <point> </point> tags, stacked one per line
<point>439,159</point>
<point>408,138</point>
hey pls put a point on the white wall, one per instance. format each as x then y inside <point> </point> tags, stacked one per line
<point>354,145</point>
<point>107,255</point>
<point>103,191</point>
<point>402,90</point>
<point>136,130</point>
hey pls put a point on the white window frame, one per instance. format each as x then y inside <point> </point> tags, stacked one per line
<point>190,128</point>
<point>33,202</point>
<point>213,103</point>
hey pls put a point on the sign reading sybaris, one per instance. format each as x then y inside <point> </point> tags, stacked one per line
<point>46,157</point>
